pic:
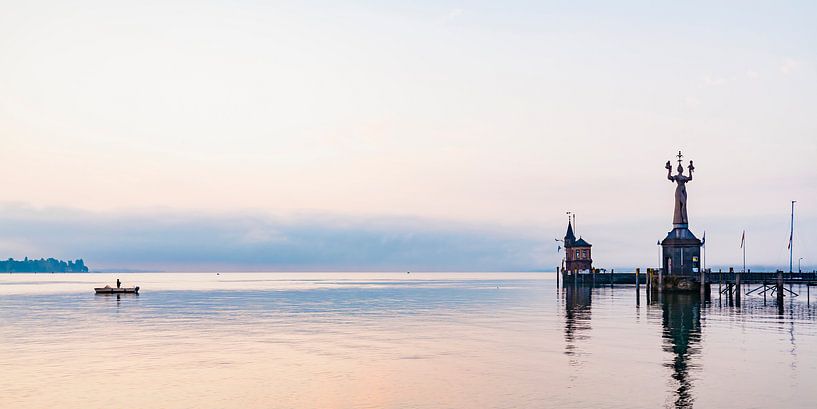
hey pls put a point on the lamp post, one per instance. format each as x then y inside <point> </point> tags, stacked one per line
<point>660,264</point>
<point>560,273</point>
<point>563,259</point>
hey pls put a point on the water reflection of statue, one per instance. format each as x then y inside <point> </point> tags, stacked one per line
<point>680,215</point>
<point>682,334</point>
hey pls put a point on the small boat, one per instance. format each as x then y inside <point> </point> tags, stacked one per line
<point>117,290</point>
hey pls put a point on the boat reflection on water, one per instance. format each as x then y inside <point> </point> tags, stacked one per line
<point>681,322</point>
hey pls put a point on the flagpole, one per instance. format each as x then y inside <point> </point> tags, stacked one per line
<point>743,246</point>
<point>791,238</point>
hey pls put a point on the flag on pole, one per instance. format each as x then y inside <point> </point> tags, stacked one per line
<point>790,238</point>
<point>742,239</point>
<point>703,239</point>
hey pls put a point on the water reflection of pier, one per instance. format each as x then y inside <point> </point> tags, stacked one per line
<point>577,319</point>
<point>682,318</point>
<point>681,333</point>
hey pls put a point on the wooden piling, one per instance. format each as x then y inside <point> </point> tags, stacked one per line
<point>737,289</point>
<point>637,287</point>
<point>779,289</point>
<point>730,287</point>
<point>720,285</point>
<point>558,273</point>
<point>649,284</point>
<point>612,271</point>
<point>661,276</point>
<point>703,284</point>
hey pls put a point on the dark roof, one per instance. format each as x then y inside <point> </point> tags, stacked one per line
<point>680,236</point>
<point>570,238</point>
<point>581,243</point>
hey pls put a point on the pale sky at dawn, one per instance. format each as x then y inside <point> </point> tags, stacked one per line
<point>378,135</point>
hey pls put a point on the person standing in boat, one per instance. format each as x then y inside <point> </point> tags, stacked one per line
<point>118,283</point>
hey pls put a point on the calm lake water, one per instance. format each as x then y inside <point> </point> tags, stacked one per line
<point>388,340</point>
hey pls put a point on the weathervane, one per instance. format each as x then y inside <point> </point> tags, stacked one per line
<point>680,218</point>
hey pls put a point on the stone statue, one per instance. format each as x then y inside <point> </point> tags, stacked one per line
<point>679,218</point>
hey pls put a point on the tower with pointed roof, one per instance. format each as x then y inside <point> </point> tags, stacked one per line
<point>578,255</point>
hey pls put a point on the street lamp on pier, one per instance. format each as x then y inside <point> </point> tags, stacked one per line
<point>660,265</point>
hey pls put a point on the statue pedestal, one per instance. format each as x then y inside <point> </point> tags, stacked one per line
<point>680,283</point>
<point>681,254</point>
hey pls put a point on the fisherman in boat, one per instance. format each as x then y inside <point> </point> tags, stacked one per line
<point>118,283</point>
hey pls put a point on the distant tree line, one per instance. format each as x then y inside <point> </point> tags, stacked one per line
<point>43,265</point>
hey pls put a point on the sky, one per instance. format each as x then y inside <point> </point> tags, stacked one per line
<point>392,136</point>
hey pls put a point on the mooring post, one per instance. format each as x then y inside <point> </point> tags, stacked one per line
<point>661,276</point>
<point>637,287</point>
<point>612,271</point>
<point>720,284</point>
<point>703,284</point>
<point>737,289</point>
<point>558,273</point>
<point>779,289</point>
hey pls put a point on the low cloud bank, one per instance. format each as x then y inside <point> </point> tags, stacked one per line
<point>168,240</point>
<point>253,241</point>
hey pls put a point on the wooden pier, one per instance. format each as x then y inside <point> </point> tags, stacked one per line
<point>728,286</point>
<point>599,278</point>
<point>730,277</point>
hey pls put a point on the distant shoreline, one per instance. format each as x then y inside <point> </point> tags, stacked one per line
<point>50,265</point>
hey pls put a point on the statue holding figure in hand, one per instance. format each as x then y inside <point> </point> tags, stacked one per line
<point>680,218</point>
